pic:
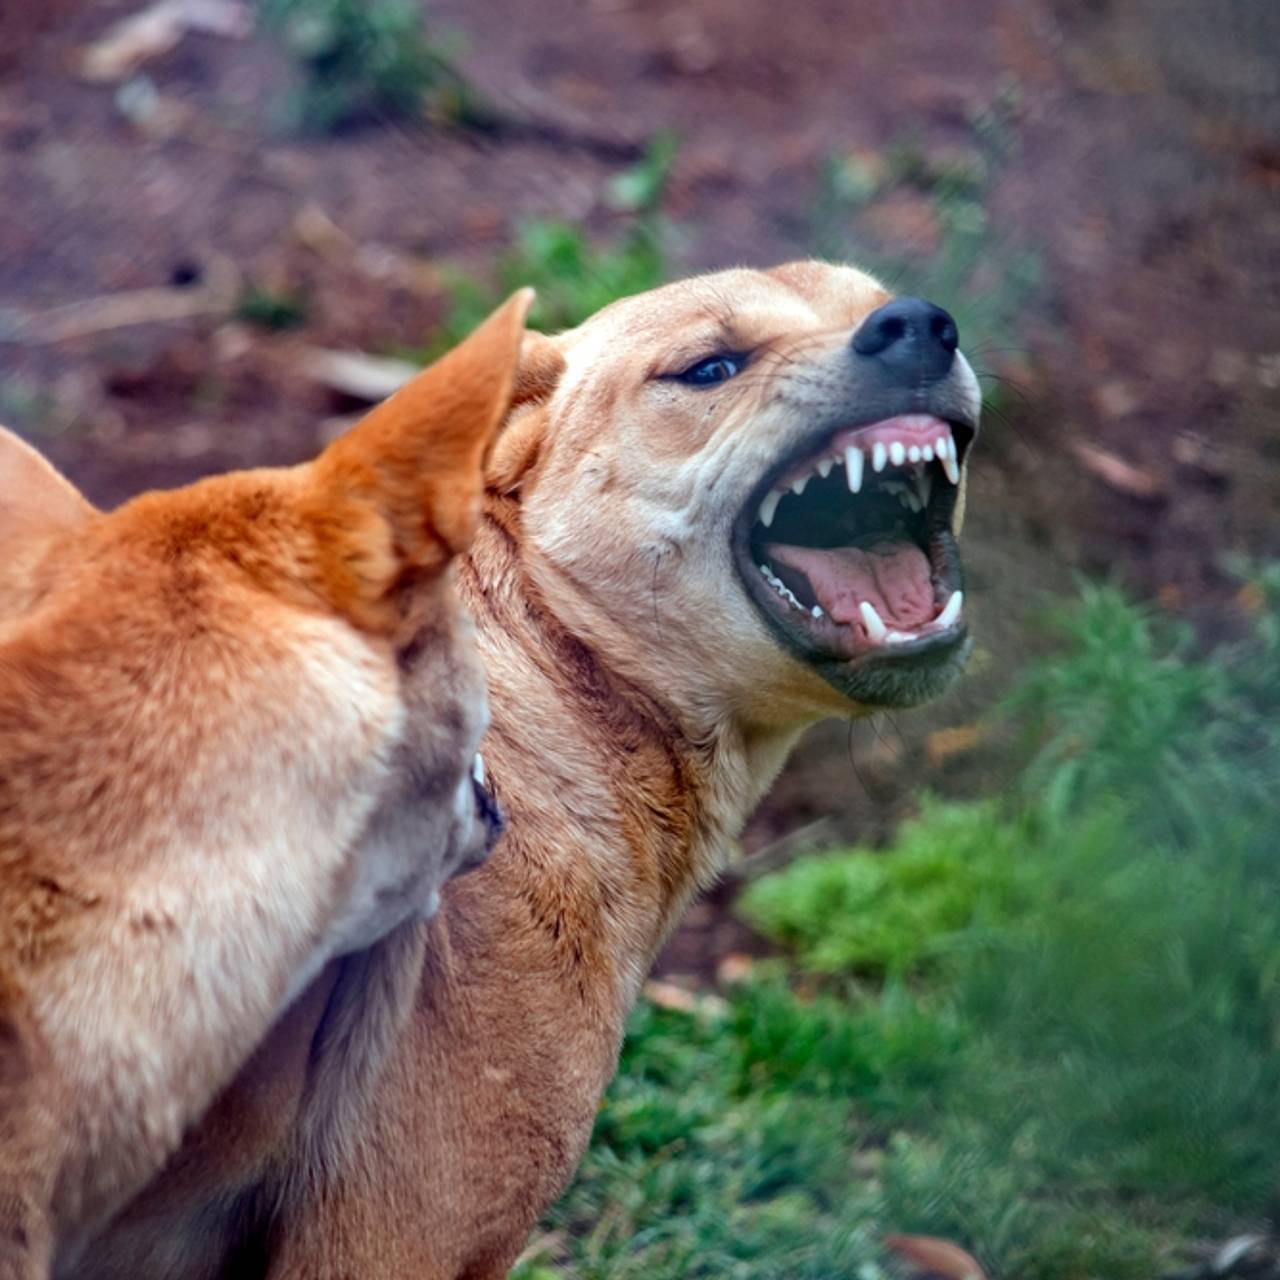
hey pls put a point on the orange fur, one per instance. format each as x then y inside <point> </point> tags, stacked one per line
<point>236,729</point>
<point>641,709</point>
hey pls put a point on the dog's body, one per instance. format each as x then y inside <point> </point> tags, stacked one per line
<point>236,729</point>
<point>645,690</point>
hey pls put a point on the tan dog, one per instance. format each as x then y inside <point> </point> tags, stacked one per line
<point>719,511</point>
<point>237,724</point>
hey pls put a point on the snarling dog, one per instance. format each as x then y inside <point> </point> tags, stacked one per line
<point>237,732</point>
<point>718,512</point>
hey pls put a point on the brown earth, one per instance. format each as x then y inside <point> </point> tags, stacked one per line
<point>1139,438</point>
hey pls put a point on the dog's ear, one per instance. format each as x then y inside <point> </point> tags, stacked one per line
<point>398,496</point>
<point>37,504</point>
<point>516,449</point>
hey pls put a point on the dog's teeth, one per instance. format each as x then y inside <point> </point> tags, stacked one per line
<point>912,501</point>
<point>927,453</point>
<point>853,467</point>
<point>899,637</point>
<point>897,454</point>
<point>798,484</point>
<point>950,466</point>
<point>951,610</point>
<point>817,611</point>
<point>876,630</point>
<point>769,506</point>
<point>824,467</point>
<point>477,768</point>
<point>878,457</point>
<point>913,454</point>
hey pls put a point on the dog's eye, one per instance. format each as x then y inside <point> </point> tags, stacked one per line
<point>708,372</point>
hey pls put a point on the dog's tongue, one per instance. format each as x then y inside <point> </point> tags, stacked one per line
<point>893,576</point>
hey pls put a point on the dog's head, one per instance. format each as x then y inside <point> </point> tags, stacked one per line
<point>270,661</point>
<point>745,488</point>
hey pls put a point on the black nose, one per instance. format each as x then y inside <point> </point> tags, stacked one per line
<point>914,339</point>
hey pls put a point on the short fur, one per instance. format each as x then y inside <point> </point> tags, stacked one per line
<point>236,729</point>
<point>641,709</point>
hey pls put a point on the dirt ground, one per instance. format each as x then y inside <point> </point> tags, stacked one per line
<point>1140,436</point>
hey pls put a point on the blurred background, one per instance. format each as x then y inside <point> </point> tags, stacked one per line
<point>1002,972</point>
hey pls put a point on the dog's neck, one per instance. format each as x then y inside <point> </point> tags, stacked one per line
<point>654,804</point>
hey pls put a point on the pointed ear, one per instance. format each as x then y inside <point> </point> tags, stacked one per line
<point>516,450</point>
<point>399,495</point>
<point>36,506</point>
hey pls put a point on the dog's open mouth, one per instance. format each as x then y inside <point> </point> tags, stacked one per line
<point>849,551</point>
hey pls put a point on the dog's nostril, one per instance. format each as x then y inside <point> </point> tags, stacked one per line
<point>911,337</point>
<point>943,327</point>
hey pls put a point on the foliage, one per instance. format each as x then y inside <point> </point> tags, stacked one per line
<point>273,309</point>
<point>575,277</point>
<point>360,57</point>
<point>1048,1025</point>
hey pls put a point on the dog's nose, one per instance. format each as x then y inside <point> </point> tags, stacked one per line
<point>913,339</point>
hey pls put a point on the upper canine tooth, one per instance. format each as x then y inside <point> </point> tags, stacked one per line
<point>874,624</point>
<point>798,484</point>
<point>951,610</point>
<point>824,467</point>
<point>951,466</point>
<point>769,506</point>
<point>853,467</point>
<point>897,454</point>
<point>878,457</point>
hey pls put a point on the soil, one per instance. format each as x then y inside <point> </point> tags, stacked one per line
<point>1139,439</point>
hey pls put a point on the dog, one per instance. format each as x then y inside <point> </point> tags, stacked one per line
<point>717,513</point>
<point>237,731</point>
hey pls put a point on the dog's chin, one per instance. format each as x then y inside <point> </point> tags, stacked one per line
<point>846,549</point>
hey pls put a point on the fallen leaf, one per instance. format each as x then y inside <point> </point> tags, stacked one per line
<point>934,1258</point>
<point>666,995</point>
<point>1115,472</point>
<point>942,744</point>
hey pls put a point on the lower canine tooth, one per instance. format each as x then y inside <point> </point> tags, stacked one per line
<point>769,506</point>
<point>853,467</point>
<point>874,624</point>
<point>951,611</point>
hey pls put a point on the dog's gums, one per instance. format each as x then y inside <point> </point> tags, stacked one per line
<point>850,553</point>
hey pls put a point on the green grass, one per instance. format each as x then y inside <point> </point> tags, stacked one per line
<point>1045,1024</point>
<point>358,59</point>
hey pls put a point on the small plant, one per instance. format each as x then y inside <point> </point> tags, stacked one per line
<point>273,309</point>
<point>364,57</point>
<point>574,276</point>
